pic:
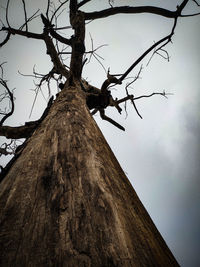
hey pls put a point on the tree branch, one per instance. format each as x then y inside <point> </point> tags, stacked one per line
<point>25,130</point>
<point>144,96</point>
<point>54,14</point>
<point>59,68</point>
<point>110,79</point>
<point>83,3</point>
<point>23,33</point>
<point>166,39</point>
<point>47,11</point>
<point>132,99</point>
<point>130,10</point>
<point>17,132</point>
<point>60,38</point>
<point>10,95</point>
<point>54,34</point>
<point>181,7</point>
<point>190,15</point>
<point>30,19</point>
<point>7,6</point>
<point>25,14</point>
<point>6,39</point>
<point>196,2</point>
<point>104,117</point>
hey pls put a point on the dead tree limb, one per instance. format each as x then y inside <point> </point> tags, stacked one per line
<point>82,3</point>
<point>26,130</point>
<point>110,79</point>
<point>196,2</point>
<point>129,10</point>
<point>104,117</point>
<point>23,33</point>
<point>6,39</point>
<point>25,15</point>
<point>164,40</point>
<point>3,82</point>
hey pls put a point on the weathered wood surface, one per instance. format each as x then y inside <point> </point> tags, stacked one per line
<point>67,202</point>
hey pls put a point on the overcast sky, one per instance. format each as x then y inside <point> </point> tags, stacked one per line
<point>160,153</point>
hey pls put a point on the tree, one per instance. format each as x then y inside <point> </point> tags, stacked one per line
<point>74,206</point>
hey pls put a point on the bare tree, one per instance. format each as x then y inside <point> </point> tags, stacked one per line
<point>64,198</point>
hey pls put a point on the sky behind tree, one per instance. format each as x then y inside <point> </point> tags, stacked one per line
<point>160,153</point>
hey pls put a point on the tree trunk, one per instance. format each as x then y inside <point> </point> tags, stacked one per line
<point>67,202</point>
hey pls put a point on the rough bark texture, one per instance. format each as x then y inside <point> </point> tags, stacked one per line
<point>67,202</point>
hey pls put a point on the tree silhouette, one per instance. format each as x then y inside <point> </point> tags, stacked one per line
<point>64,199</point>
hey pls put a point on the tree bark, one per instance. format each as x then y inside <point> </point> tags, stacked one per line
<point>67,202</point>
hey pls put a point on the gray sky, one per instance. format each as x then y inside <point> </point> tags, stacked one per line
<point>159,154</point>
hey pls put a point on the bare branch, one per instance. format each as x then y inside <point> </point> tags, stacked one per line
<point>111,2</point>
<point>60,38</point>
<point>83,3</point>
<point>54,14</point>
<point>44,78</point>
<point>23,33</point>
<point>190,15</point>
<point>181,7</point>
<point>135,108</point>
<point>25,130</point>
<point>54,34</point>
<point>136,10</point>
<point>130,10</point>
<point>143,56</point>
<point>25,14</point>
<point>62,28</point>
<point>94,111</point>
<point>110,79</point>
<point>10,96</point>
<point>7,7</point>
<point>156,51</point>
<point>162,94</point>
<point>164,40</point>
<point>104,117</point>
<point>17,132</point>
<point>58,66</point>
<point>6,39</point>
<point>29,19</point>
<point>129,97</point>
<point>93,53</point>
<point>48,6</point>
<point>132,99</point>
<point>196,2</point>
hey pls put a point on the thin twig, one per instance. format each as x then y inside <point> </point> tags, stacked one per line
<point>25,14</point>
<point>30,19</point>
<point>190,15</point>
<point>196,2</point>
<point>58,10</point>
<point>162,94</point>
<point>11,98</point>
<point>48,6</point>
<point>7,6</point>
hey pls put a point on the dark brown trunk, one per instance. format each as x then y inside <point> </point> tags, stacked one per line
<point>67,202</point>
